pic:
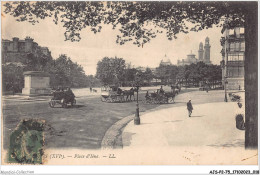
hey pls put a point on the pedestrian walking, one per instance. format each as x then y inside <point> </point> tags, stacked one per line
<point>189,107</point>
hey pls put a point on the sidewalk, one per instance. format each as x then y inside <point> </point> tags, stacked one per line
<point>209,136</point>
<point>25,98</point>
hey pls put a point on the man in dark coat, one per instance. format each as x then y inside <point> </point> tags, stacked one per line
<point>161,90</point>
<point>189,107</point>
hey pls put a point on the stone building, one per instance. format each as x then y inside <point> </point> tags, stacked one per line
<point>191,58</point>
<point>18,50</point>
<point>203,55</point>
<point>165,61</point>
<point>233,56</point>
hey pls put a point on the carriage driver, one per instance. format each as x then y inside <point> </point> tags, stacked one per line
<point>69,93</point>
<point>161,90</point>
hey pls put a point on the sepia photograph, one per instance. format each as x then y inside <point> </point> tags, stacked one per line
<point>130,83</point>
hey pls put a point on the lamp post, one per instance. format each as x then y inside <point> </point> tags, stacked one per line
<point>225,86</point>
<point>137,79</point>
<point>223,65</point>
<point>137,118</point>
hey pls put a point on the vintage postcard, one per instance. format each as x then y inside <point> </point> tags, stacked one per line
<point>129,83</point>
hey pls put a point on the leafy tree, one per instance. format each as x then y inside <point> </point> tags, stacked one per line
<point>148,75</point>
<point>130,76</point>
<point>132,18</point>
<point>111,70</point>
<point>12,77</point>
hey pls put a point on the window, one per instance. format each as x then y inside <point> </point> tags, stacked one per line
<point>241,56</point>
<point>242,30</point>
<point>237,31</point>
<point>236,56</point>
<point>232,47</point>
<point>231,32</point>
<point>242,46</point>
<point>237,46</point>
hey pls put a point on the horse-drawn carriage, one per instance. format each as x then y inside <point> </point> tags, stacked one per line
<point>160,97</point>
<point>111,94</point>
<point>63,98</point>
<point>116,94</point>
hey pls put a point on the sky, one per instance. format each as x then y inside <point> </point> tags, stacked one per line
<point>94,47</point>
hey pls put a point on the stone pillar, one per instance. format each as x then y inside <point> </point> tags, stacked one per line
<point>36,83</point>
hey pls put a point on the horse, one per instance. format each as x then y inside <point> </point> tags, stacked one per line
<point>170,95</point>
<point>130,93</point>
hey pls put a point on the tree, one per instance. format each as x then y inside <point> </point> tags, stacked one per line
<point>130,76</point>
<point>12,78</point>
<point>148,75</point>
<point>134,20</point>
<point>111,70</point>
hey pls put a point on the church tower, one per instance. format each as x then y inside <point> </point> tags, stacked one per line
<point>207,46</point>
<point>200,52</point>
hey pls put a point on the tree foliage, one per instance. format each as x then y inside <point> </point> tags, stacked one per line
<point>111,70</point>
<point>63,72</point>
<point>199,72</point>
<point>137,22</point>
<point>12,77</point>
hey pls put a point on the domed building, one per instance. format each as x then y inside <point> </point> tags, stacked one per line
<point>165,61</point>
<point>191,58</point>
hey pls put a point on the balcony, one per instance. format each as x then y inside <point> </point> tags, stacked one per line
<point>235,63</point>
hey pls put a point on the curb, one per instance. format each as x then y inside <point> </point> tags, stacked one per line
<point>111,139</point>
<point>112,135</point>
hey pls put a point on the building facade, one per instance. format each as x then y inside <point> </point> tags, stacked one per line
<point>233,56</point>
<point>206,56</point>
<point>165,61</point>
<point>203,55</point>
<point>191,58</point>
<point>18,50</point>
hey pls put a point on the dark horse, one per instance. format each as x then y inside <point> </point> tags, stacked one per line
<point>170,96</point>
<point>130,93</point>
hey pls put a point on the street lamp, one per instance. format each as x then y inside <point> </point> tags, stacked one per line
<point>223,65</point>
<point>225,86</point>
<point>137,118</point>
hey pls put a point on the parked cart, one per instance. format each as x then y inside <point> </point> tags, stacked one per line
<point>62,98</point>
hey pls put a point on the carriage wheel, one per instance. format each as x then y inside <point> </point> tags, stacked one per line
<point>170,100</point>
<point>73,102</point>
<point>148,101</point>
<point>64,105</point>
<point>52,104</point>
<point>113,99</point>
<point>165,100</point>
<point>121,98</point>
<point>103,99</point>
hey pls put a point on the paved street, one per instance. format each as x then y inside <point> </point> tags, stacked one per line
<point>206,137</point>
<point>82,126</point>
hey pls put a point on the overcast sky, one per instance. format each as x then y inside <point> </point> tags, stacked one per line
<point>93,47</point>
